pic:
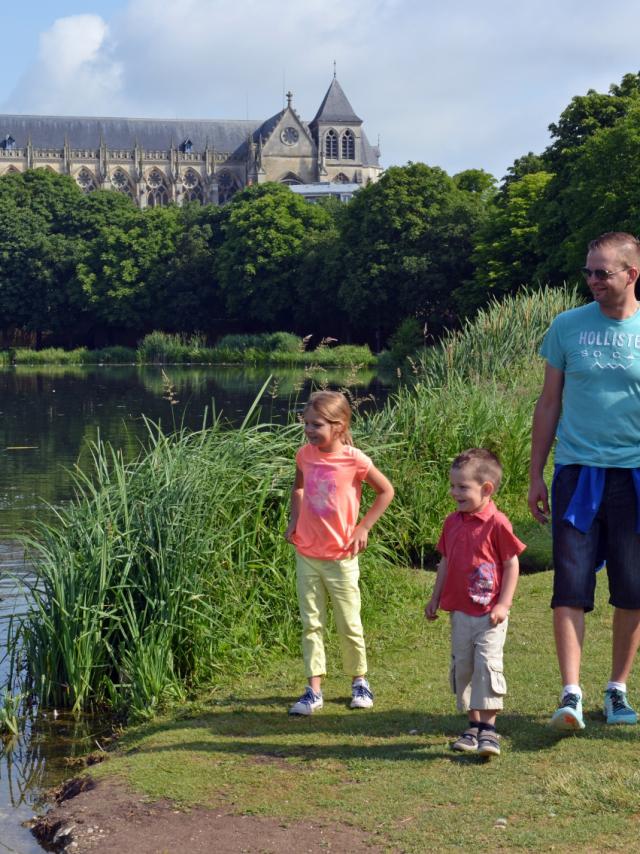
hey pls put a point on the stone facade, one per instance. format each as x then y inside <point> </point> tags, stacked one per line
<point>156,161</point>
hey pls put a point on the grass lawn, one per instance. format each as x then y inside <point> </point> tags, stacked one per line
<point>390,770</point>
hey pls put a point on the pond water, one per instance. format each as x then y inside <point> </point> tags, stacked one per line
<point>48,418</point>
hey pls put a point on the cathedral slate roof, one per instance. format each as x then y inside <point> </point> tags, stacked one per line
<point>335,107</point>
<point>225,136</point>
<point>119,133</point>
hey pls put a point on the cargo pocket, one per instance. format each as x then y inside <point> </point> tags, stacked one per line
<point>498,682</point>
<point>452,674</point>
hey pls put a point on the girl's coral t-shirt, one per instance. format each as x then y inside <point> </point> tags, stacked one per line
<point>330,500</point>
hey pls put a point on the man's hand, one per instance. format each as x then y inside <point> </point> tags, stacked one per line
<point>499,614</point>
<point>539,500</point>
<point>431,609</point>
<point>291,529</point>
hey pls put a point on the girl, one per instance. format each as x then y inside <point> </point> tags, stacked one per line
<point>324,528</point>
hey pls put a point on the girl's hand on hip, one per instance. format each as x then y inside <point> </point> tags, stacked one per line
<point>358,541</point>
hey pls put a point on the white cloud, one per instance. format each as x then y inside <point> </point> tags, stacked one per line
<point>457,85</point>
<point>74,71</point>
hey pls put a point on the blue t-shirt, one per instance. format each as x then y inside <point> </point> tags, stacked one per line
<point>600,420</point>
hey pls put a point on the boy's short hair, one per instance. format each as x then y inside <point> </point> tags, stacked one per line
<point>483,465</point>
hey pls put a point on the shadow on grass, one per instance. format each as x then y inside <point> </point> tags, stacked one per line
<point>389,735</point>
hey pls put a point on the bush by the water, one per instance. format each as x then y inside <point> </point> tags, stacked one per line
<point>272,348</point>
<point>166,571</point>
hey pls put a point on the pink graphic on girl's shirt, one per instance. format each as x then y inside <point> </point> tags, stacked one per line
<point>320,489</point>
<point>483,582</point>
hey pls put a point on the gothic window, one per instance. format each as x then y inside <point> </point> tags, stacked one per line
<point>290,178</point>
<point>186,147</point>
<point>227,186</point>
<point>85,180</point>
<point>348,145</point>
<point>120,182</point>
<point>341,178</point>
<point>331,145</point>
<point>8,143</point>
<point>192,187</point>
<point>157,194</point>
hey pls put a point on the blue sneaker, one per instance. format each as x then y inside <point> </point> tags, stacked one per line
<point>361,695</point>
<point>308,703</point>
<point>616,708</point>
<point>568,716</point>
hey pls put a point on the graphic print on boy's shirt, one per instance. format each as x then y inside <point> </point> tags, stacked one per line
<point>483,583</point>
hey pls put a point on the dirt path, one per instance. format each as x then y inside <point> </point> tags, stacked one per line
<point>105,816</point>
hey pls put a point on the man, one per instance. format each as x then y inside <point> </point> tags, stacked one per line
<point>591,394</point>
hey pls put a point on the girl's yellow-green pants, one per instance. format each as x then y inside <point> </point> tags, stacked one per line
<point>339,579</point>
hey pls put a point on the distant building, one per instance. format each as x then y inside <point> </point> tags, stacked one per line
<point>157,161</point>
<point>326,189</point>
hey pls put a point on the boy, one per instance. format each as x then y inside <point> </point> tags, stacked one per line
<point>476,580</point>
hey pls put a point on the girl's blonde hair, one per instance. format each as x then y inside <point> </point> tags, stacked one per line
<point>334,407</point>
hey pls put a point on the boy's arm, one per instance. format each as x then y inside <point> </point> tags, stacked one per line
<point>510,573</point>
<point>385,492</point>
<point>431,608</point>
<point>296,502</point>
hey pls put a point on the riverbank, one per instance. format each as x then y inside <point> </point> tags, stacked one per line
<point>278,349</point>
<point>234,763</point>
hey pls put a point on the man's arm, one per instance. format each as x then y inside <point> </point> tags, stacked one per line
<point>545,421</point>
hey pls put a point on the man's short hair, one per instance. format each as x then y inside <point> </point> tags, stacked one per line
<point>483,465</point>
<point>626,245</point>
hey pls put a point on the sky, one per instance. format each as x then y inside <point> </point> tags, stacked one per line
<point>458,85</point>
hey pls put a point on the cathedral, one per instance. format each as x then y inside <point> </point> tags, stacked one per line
<point>158,161</point>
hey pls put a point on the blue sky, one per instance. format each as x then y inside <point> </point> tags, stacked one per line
<point>457,85</point>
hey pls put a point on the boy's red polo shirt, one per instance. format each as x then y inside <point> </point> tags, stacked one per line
<point>476,546</point>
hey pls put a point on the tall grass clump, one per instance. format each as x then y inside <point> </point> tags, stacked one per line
<point>498,339</point>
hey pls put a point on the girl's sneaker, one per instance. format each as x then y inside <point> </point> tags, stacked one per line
<point>309,703</point>
<point>568,716</point>
<point>617,709</point>
<point>361,695</point>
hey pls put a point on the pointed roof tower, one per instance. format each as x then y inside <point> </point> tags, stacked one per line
<point>335,107</point>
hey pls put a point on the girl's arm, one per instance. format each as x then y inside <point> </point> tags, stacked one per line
<point>431,608</point>
<point>510,573</point>
<point>296,503</point>
<point>385,492</point>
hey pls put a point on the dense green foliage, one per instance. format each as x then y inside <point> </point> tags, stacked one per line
<point>168,570</point>
<point>418,245</point>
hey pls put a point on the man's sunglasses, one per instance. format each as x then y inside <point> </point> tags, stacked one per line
<point>600,275</point>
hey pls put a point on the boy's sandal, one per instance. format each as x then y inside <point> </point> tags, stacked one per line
<point>468,741</point>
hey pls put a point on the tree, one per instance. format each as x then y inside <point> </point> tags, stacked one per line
<point>602,191</point>
<point>126,265</point>
<point>268,231</point>
<point>506,253</point>
<point>407,243</point>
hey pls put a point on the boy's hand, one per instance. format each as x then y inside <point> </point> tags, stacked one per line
<point>291,529</point>
<point>358,541</point>
<point>431,609</point>
<point>499,614</point>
